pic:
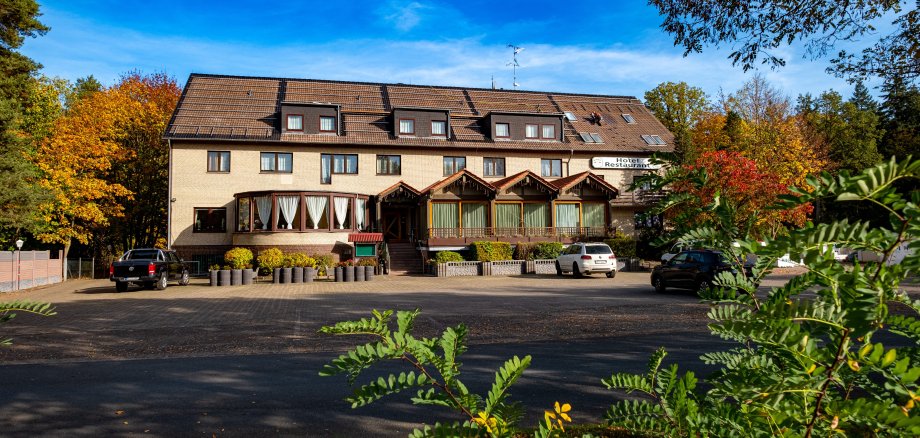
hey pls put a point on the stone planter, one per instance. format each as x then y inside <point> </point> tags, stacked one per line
<point>286,275</point>
<point>212,274</point>
<point>236,277</point>
<point>248,276</point>
<point>224,277</point>
<point>359,273</point>
<point>309,274</point>
<point>349,273</point>
<point>339,273</point>
<point>276,276</point>
<point>368,273</point>
<point>297,274</point>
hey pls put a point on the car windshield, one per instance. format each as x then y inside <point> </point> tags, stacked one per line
<point>146,254</point>
<point>597,249</point>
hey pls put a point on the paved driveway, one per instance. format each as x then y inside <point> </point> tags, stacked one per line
<point>94,322</point>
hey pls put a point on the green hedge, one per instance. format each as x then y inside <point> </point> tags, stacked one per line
<point>447,256</point>
<point>537,250</point>
<point>490,251</point>
<point>622,245</point>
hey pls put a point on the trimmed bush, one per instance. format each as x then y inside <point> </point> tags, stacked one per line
<point>546,250</point>
<point>270,259</point>
<point>523,251</point>
<point>622,245</point>
<point>490,251</point>
<point>238,258</point>
<point>301,260</point>
<point>367,261</point>
<point>447,256</point>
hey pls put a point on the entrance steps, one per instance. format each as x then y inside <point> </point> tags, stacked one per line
<point>405,259</point>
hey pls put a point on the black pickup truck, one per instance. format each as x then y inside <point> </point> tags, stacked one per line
<point>148,267</point>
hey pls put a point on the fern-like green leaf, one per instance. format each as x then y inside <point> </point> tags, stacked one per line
<point>381,387</point>
<point>512,370</point>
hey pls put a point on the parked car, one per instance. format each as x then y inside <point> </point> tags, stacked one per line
<point>587,258</point>
<point>148,267</point>
<point>694,269</point>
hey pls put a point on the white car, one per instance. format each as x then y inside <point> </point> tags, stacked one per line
<point>587,258</point>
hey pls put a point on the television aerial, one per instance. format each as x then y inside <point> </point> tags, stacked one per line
<point>514,63</point>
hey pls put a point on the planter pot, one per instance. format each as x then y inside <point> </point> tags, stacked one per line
<point>359,273</point>
<point>308,275</point>
<point>276,276</point>
<point>349,273</point>
<point>248,276</point>
<point>224,277</point>
<point>255,273</point>
<point>236,277</point>
<point>368,273</point>
<point>213,277</point>
<point>286,275</point>
<point>338,273</point>
<point>297,275</point>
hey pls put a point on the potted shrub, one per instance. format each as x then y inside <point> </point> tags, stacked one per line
<point>286,269</point>
<point>237,258</point>
<point>348,267</point>
<point>359,271</point>
<point>296,266</point>
<point>368,265</point>
<point>270,260</point>
<point>212,274</point>
<point>248,274</point>
<point>323,263</point>
<point>224,276</point>
<point>309,270</point>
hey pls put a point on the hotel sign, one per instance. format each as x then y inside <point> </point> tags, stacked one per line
<point>623,163</point>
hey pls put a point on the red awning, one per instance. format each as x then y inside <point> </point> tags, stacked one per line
<point>365,237</point>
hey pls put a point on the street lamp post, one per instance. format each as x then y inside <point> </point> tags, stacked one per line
<point>18,261</point>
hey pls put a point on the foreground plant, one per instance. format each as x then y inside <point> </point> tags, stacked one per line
<point>8,311</point>
<point>435,375</point>
<point>809,360</point>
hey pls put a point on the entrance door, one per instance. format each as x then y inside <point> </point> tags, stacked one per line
<point>396,224</point>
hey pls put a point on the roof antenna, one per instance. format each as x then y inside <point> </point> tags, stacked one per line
<point>514,63</point>
<point>493,82</point>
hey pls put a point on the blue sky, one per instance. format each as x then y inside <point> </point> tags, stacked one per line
<point>600,47</point>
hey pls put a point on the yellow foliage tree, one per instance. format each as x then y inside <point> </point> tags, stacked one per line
<point>75,160</point>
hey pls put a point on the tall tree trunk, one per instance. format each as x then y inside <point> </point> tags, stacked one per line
<point>64,257</point>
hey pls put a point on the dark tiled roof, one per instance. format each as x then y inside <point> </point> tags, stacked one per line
<point>248,109</point>
<point>396,186</point>
<point>459,174</point>
<point>517,177</point>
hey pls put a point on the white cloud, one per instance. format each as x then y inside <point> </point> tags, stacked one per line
<point>404,17</point>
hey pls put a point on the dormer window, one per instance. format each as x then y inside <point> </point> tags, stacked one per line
<point>531,131</point>
<point>407,126</point>
<point>439,128</point>
<point>502,130</point>
<point>548,132</point>
<point>327,124</point>
<point>294,122</point>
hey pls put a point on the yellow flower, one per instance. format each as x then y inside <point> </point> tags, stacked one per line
<point>486,421</point>
<point>561,411</point>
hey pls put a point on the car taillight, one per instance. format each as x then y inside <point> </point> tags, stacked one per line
<point>112,270</point>
<point>613,256</point>
<point>586,257</point>
<point>151,270</point>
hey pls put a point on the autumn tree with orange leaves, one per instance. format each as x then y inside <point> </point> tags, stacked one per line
<point>104,153</point>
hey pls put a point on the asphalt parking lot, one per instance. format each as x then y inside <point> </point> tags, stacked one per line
<point>96,323</point>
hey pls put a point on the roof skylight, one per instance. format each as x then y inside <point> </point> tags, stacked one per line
<point>629,118</point>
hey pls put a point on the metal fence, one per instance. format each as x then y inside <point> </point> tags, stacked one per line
<point>82,268</point>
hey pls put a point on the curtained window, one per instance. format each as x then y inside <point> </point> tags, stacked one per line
<point>446,217</point>
<point>567,215</point>
<point>493,166</point>
<point>276,162</point>
<point>316,209</point>
<point>341,211</point>
<point>325,176</point>
<point>360,213</point>
<point>295,123</point>
<point>218,161</point>
<point>592,214</point>
<point>327,124</point>
<point>474,219</point>
<point>289,206</point>
<point>263,213</point>
<point>550,167</point>
<point>508,217</point>
<point>536,215</point>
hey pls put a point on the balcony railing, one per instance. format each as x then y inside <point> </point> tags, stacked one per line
<point>489,232</point>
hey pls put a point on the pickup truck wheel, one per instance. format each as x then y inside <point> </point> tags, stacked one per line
<point>163,281</point>
<point>121,286</point>
<point>611,274</point>
<point>183,280</point>
<point>575,271</point>
<point>659,285</point>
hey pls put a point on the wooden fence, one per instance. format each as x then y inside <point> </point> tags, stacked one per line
<point>26,269</point>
